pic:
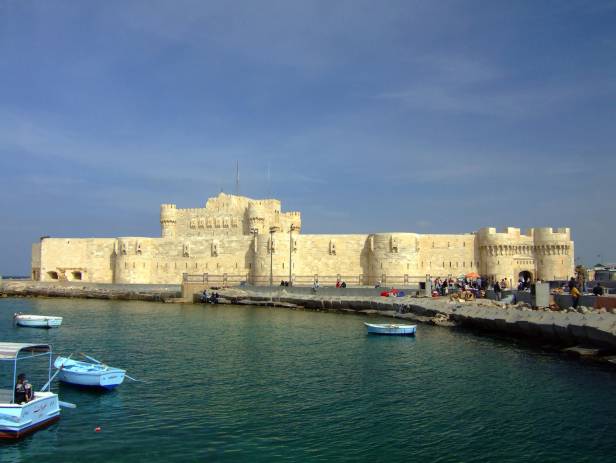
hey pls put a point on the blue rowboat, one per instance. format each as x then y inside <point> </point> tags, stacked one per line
<point>393,329</point>
<point>88,374</point>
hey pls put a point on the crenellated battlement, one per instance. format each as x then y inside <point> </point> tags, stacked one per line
<point>552,234</point>
<point>253,239</point>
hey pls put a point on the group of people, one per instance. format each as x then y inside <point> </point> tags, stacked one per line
<point>524,284</point>
<point>575,290</point>
<point>340,284</point>
<point>23,390</point>
<point>208,298</point>
<point>444,285</point>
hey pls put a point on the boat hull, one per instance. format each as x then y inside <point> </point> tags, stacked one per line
<point>391,329</point>
<point>38,322</point>
<point>109,380</point>
<point>17,421</point>
<point>88,375</point>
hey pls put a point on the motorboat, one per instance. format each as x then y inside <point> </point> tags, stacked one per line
<point>88,374</point>
<point>391,329</point>
<point>20,419</point>
<point>37,321</point>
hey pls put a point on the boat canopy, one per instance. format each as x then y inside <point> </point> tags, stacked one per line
<point>10,351</point>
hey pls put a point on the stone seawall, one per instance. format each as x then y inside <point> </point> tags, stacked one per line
<point>592,328</point>
<point>563,328</point>
<point>28,288</point>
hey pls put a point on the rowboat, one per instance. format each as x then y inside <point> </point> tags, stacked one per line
<point>391,329</point>
<point>20,419</point>
<point>88,374</point>
<point>37,321</point>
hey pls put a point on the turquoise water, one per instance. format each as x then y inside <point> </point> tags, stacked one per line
<point>229,383</point>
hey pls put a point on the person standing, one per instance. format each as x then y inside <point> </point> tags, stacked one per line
<point>597,290</point>
<point>497,291</point>
<point>575,296</point>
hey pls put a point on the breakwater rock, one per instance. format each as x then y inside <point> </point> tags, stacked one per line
<point>566,328</point>
<point>28,288</point>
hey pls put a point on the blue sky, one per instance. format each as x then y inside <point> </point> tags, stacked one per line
<point>372,116</point>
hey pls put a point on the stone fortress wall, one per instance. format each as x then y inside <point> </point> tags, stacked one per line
<point>236,235</point>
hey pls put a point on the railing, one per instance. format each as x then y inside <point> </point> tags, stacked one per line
<point>303,280</point>
<point>215,280</point>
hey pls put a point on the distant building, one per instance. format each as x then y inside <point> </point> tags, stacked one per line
<point>236,238</point>
<point>605,272</point>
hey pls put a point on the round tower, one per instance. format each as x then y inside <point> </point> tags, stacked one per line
<point>497,253</point>
<point>553,253</point>
<point>131,263</point>
<point>270,257</point>
<point>256,218</point>
<point>294,220</point>
<point>168,219</point>
<point>392,256</point>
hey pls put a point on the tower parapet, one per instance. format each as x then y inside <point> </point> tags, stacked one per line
<point>292,221</point>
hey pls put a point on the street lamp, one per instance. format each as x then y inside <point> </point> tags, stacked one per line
<point>291,229</point>
<point>255,232</point>
<point>272,230</point>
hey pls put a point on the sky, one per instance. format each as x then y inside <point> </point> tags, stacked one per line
<point>408,116</point>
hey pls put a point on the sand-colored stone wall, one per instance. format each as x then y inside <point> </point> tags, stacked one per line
<point>251,239</point>
<point>75,259</point>
<point>445,255</point>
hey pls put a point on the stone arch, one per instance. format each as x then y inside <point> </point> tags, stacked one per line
<point>525,275</point>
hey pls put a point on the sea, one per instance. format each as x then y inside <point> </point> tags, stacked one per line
<point>254,384</point>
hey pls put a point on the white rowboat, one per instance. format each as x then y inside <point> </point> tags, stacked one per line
<point>37,321</point>
<point>88,374</point>
<point>391,329</point>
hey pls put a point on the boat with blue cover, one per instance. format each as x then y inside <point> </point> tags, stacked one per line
<point>88,374</point>
<point>394,329</point>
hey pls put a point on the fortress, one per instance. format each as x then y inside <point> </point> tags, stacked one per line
<point>235,238</point>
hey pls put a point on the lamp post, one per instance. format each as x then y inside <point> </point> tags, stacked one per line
<point>255,232</point>
<point>291,228</point>
<point>272,230</point>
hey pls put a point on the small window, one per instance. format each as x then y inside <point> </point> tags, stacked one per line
<point>53,275</point>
